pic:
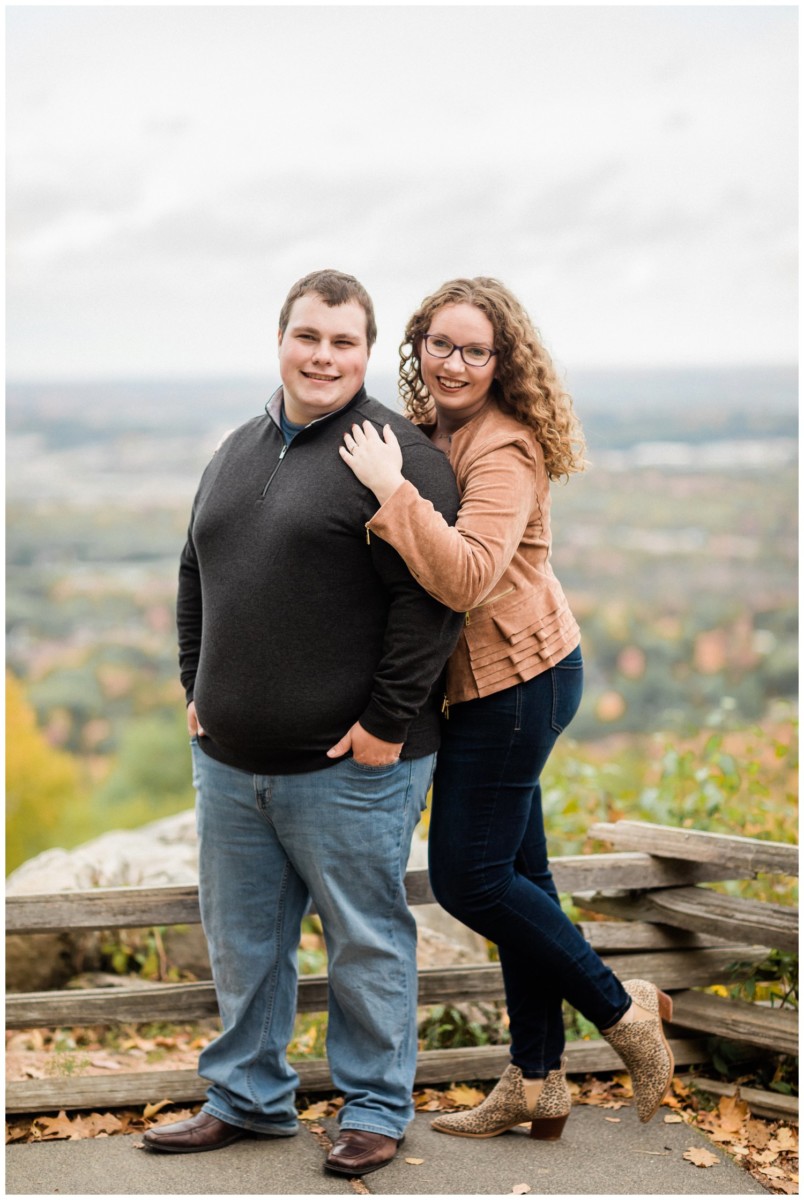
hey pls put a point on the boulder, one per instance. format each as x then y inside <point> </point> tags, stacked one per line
<point>159,854</point>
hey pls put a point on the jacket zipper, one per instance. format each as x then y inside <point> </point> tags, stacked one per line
<point>491,600</point>
<point>282,454</point>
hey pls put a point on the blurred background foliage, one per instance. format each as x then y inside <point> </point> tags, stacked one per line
<point>677,548</point>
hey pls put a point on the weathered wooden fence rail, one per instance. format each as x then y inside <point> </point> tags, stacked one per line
<point>666,928</point>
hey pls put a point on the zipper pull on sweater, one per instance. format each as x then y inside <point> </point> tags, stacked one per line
<point>282,454</point>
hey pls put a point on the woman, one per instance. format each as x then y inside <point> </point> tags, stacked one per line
<point>476,376</point>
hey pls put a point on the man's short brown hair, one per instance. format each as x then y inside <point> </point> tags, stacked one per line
<point>334,288</point>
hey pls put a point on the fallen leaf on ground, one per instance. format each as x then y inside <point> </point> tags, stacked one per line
<point>52,1128</point>
<point>520,1189</point>
<point>101,1124</point>
<point>701,1157</point>
<point>784,1139</point>
<point>757,1133</point>
<point>673,1119</point>
<point>464,1095</point>
<point>614,1120</point>
<point>315,1111</point>
<point>104,1063</point>
<point>766,1156</point>
<point>17,1133</point>
<point>732,1112</point>
<point>414,1162</point>
<point>150,1110</point>
<point>724,1136</point>
<point>772,1172</point>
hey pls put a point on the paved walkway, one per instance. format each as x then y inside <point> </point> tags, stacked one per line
<point>602,1152</point>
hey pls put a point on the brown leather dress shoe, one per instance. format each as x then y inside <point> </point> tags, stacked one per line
<point>356,1152</point>
<point>201,1132</point>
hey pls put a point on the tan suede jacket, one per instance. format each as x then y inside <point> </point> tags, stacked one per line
<point>494,563</point>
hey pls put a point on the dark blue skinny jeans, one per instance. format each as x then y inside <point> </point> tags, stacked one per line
<point>488,860</point>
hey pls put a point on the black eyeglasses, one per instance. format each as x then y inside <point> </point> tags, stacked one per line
<point>441,347</point>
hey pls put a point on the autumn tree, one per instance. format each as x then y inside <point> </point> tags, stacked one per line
<point>42,783</point>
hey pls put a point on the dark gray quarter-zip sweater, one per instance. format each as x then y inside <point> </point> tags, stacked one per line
<point>293,623</point>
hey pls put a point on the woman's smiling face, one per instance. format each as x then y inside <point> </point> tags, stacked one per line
<point>458,390</point>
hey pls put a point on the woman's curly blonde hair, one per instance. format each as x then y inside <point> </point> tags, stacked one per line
<point>525,382</point>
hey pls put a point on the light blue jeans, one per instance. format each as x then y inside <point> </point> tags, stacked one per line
<point>267,846</point>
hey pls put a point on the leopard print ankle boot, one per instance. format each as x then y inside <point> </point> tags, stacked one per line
<point>643,1047</point>
<point>507,1106</point>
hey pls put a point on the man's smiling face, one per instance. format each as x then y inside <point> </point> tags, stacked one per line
<point>323,355</point>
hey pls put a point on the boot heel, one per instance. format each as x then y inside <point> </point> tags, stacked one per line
<point>665,1006</point>
<point>547,1129</point>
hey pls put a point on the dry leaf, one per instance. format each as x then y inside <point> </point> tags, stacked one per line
<point>673,1119</point>
<point>320,1109</point>
<point>16,1133</point>
<point>784,1139</point>
<point>466,1097</point>
<point>520,1189</point>
<point>701,1157</point>
<point>151,1110</point>
<point>414,1162</point>
<point>105,1063</point>
<point>101,1125</point>
<point>51,1128</point>
<point>78,1129</point>
<point>757,1133</point>
<point>766,1156</point>
<point>772,1172</point>
<point>733,1112</point>
<point>614,1120</point>
<point>788,1186</point>
<point>724,1136</point>
<point>708,1120</point>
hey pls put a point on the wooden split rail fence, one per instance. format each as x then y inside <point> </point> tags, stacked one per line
<point>666,927</point>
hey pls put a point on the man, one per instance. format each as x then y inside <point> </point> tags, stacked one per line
<point>310,659</point>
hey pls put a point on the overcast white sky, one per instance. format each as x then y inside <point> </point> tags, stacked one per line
<point>629,171</point>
